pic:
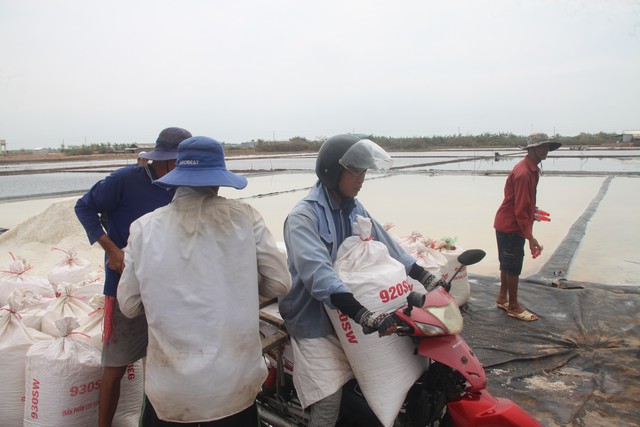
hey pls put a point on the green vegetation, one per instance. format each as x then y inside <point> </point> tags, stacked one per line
<point>492,140</point>
<point>101,148</point>
<point>415,143</point>
<point>295,144</point>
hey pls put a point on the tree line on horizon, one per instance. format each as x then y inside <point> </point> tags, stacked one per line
<point>416,143</point>
<point>485,140</point>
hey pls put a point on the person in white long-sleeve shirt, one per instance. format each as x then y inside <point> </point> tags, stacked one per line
<point>196,268</point>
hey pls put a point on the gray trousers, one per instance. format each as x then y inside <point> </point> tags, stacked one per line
<point>324,413</point>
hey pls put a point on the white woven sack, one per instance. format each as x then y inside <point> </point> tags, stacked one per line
<point>70,269</point>
<point>385,367</point>
<point>412,243</point>
<point>91,330</point>
<point>31,306</point>
<point>15,341</point>
<point>443,263</point>
<point>62,381</point>
<point>66,305</point>
<point>18,277</point>
<point>132,383</point>
<point>428,258</point>
<point>131,397</point>
<point>460,288</point>
<point>92,285</point>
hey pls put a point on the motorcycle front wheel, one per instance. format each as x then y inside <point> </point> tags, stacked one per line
<point>427,400</point>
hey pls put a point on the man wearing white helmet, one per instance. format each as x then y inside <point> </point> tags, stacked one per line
<point>313,232</point>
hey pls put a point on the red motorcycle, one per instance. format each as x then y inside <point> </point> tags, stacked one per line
<point>451,392</point>
<point>453,389</point>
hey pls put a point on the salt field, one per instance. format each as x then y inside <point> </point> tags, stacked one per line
<point>438,194</point>
<point>584,286</point>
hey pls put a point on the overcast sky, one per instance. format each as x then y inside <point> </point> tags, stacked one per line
<point>77,71</point>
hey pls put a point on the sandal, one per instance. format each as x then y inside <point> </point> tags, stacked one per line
<point>502,305</point>
<point>525,315</point>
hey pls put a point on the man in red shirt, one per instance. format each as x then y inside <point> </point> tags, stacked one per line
<point>514,225</point>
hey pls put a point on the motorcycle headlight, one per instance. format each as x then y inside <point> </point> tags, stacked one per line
<point>430,330</point>
<point>449,316</point>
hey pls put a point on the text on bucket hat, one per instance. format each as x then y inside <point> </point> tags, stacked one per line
<point>167,144</point>
<point>201,163</point>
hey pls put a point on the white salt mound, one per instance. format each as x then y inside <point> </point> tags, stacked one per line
<point>34,238</point>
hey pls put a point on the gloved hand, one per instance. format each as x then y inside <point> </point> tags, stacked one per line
<point>371,322</point>
<point>540,215</point>
<point>429,281</point>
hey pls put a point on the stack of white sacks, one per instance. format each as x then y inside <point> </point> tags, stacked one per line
<point>51,343</point>
<point>439,257</point>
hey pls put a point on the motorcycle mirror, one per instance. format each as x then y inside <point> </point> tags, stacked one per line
<point>471,256</point>
<point>415,299</point>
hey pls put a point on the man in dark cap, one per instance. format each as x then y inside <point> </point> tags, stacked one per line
<point>123,197</point>
<point>514,224</point>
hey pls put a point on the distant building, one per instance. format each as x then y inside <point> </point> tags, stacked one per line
<point>40,151</point>
<point>144,147</point>
<point>134,148</point>
<point>630,135</point>
<point>246,144</point>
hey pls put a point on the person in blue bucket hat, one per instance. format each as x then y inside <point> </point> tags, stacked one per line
<point>196,268</point>
<point>201,163</point>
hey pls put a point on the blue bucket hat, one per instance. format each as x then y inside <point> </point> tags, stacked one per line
<point>201,163</point>
<point>167,144</point>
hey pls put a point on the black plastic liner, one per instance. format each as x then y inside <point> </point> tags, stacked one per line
<point>577,365</point>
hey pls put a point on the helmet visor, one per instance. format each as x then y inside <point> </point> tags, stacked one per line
<point>363,155</point>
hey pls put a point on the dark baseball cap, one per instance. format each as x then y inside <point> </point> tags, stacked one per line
<point>167,144</point>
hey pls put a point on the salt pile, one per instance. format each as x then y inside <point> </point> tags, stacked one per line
<point>56,227</point>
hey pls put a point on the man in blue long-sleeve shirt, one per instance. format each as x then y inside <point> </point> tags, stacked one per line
<point>313,232</point>
<point>123,197</point>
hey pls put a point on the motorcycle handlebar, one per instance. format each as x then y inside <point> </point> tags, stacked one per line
<point>404,330</point>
